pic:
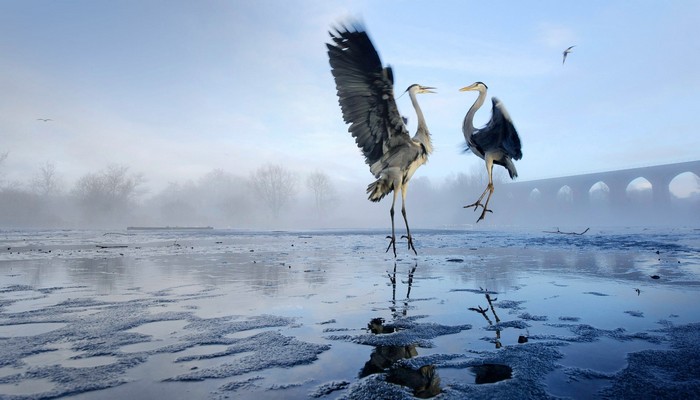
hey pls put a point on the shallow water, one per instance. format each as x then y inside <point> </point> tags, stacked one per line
<point>217,314</point>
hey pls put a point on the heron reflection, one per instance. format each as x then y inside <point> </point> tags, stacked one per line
<point>424,381</point>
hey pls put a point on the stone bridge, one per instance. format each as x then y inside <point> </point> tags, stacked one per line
<point>576,193</point>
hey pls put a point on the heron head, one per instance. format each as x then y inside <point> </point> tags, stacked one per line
<point>480,86</point>
<point>420,88</point>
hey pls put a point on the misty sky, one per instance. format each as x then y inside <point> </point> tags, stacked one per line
<point>175,89</point>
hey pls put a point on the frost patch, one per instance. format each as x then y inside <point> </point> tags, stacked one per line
<point>669,374</point>
<point>264,350</point>
<point>328,388</point>
<point>510,305</point>
<point>407,332</point>
<point>529,317</point>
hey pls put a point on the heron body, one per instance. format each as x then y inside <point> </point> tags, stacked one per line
<point>366,97</point>
<point>496,143</point>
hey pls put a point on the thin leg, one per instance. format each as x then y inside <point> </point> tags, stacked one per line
<point>489,190</point>
<point>403,212</point>
<point>392,243</point>
<point>489,168</point>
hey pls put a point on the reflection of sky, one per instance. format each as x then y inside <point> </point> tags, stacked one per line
<point>338,282</point>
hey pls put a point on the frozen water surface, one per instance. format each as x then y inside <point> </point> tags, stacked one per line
<point>267,315</point>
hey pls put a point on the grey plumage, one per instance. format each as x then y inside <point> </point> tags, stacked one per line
<point>366,98</point>
<point>496,143</point>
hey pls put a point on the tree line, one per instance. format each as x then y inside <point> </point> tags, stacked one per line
<point>271,197</point>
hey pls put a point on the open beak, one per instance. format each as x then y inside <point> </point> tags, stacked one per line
<point>427,89</point>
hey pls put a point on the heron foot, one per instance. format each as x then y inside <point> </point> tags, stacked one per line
<point>476,207</point>
<point>483,214</point>
<point>410,243</point>
<point>392,243</point>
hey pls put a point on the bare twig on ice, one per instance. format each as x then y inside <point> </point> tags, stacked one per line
<point>567,233</point>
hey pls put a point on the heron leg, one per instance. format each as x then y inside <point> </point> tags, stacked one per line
<point>408,230</point>
<point>392,243</point>
<point>489,189</point>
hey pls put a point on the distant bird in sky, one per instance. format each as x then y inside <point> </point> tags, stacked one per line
<point>496,143</point>
<point>366,98</point>
<point>566,53</point>
<point>44,119</point>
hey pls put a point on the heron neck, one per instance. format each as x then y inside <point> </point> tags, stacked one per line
<point>422,134</point>
<point>468,124</point>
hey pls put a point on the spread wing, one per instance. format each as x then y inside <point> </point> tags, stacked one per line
<point>365,92</point>
<point>499,133</point>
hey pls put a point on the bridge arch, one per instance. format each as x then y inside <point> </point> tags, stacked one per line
<point>565,195</point>
<point>535,195</point>
<point>599,192</point>
<point>685,186</point>
<point>640,190</point>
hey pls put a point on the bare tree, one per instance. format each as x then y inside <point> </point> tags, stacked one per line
<point>46,182</point>
<point>320,184</point>
<point>107,193</point>
<point>275,186</point>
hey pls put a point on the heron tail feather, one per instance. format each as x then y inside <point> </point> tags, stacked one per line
<point>378,189</point>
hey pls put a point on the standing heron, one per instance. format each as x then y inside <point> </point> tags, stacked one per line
<point>496,143</point>
<point>366,98</point>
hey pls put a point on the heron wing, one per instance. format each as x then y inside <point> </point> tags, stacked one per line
<point>499,133</point>
<point>365,93</point>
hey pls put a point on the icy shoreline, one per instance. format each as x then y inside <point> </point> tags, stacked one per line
<point>285,315</point>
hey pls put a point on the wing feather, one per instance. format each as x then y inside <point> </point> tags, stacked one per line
<point>365,92</point>
<point>499,132</point>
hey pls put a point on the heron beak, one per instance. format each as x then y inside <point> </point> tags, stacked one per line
<point>427,89</point>
<point>467,88</point>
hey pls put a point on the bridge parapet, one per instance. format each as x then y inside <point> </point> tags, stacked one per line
<point>617,200</point>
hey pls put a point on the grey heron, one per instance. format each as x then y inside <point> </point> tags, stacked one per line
<point>366,98</point>
<point>566,53</point>
<point>496,143</point>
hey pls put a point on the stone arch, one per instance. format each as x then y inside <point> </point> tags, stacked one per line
<point>599,192</point>
<point>640,190</point>
<point>535,195</point>
<point>685,186</point>
<point>565,194</point>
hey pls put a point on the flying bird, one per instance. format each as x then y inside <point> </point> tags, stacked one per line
<point>496,143</point>
<point>44,119</point>
<point>366,98</point>
<point>566,53</point>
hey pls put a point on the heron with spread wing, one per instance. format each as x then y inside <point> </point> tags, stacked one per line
<point>366,98</point>
<point>496,143</point>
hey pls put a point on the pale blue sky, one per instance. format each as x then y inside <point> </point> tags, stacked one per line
<point>174,89</point>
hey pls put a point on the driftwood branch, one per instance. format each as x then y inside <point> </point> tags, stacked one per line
<point>112,246</point>
<point>568,233</point>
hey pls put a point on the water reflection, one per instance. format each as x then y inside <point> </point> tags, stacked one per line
<point>383,357</point>
<point>392,278</point>
<point>484,313</point>
<point>424,381</point>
